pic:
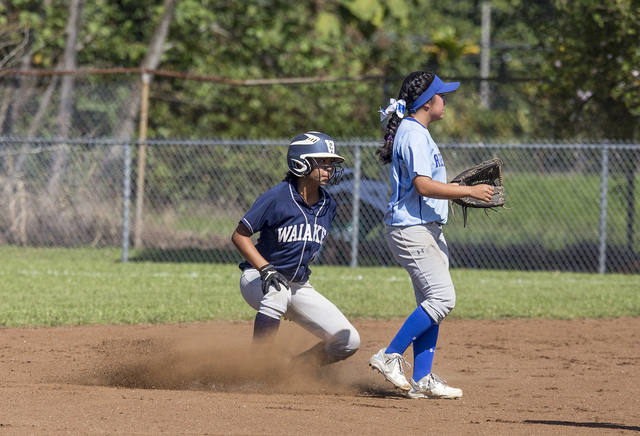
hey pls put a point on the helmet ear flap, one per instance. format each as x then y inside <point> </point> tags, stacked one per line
<point>299,167</point>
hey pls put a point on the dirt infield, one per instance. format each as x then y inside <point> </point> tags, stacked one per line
<point>519,377</point>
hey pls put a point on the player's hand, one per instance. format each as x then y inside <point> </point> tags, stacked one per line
<point>270,277</point>
<point>482,192</point>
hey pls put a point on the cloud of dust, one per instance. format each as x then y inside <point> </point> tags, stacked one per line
<point>227,362</point>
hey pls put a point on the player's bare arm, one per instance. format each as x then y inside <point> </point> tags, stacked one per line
<point>243,243</point>
<point>427,187</point>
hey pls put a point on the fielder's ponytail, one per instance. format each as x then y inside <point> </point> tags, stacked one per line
<point>413,86</point>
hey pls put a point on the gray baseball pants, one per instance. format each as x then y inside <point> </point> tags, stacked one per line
<point>423,252</point>
<point>305,306</point>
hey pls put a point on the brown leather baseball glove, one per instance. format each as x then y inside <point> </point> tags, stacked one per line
<point>489,173</point>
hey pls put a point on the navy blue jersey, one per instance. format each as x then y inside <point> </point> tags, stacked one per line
<point>291,231</point>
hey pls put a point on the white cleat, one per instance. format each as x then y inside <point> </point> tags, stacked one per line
<point>432,386</point>
<point>390,365</point>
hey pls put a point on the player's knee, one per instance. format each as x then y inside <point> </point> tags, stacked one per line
<point>438,308</point>
<point>344,344</point>
<point>448,304</point>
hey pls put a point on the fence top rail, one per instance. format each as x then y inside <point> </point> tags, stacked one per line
<point>600,144</point>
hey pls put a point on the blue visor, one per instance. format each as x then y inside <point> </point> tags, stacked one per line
<point>436,87</point>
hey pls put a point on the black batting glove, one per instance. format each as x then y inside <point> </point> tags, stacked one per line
<point>271,277</point>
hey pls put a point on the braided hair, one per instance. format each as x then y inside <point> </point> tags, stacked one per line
<point>413,86</point>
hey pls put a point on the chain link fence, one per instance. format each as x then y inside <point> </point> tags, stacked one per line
<point>572,207</point>
<point>30,105</point>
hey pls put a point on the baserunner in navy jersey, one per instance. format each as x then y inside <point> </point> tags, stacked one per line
<point>293,219</point>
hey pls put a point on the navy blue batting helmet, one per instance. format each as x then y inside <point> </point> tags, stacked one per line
<point>309,146</point>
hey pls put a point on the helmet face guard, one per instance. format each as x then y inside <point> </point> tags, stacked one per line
<point>303,151</point>
<point>336,170</point>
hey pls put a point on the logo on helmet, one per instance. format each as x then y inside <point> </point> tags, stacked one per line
<point>331,146</point>
<point>307,140</point>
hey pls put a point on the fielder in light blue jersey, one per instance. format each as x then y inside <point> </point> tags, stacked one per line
<point>416,212</point>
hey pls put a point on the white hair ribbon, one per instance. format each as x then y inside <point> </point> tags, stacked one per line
<point>394,106</point>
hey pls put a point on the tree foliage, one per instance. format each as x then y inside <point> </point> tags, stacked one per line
<point>592,69</point>
<point>585,53</point>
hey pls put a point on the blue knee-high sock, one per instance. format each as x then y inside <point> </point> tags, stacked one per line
<point>417,323</point>
<point>424,348</point>
<point>264,328</point>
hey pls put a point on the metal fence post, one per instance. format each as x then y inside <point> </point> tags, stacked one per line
<point>355,207</point>
<point>142,159</point>
<point>603,210</point>
<point>126,198</point>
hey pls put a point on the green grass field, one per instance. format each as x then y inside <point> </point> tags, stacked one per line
<point>53,287</point>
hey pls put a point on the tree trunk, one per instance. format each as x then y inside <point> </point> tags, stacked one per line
<point>150,62</point>
<point>127,124</point>
<point>5,102</point>
<point>25,85</point>
<point>35,124</point>
<point>66,95</point>
<point>24,90</point>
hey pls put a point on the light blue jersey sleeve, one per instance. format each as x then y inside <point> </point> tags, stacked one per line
<point>416,158</point>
